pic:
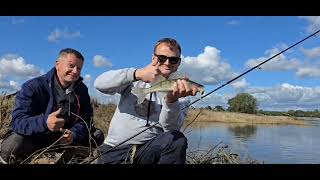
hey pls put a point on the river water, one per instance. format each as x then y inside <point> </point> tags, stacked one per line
<point>272,144</point>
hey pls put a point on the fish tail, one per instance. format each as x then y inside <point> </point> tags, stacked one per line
<point>140,93</point>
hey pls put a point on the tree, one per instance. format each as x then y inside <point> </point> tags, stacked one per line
<point>244,103</point>
<point>298,113</point>
<point>291,112</point>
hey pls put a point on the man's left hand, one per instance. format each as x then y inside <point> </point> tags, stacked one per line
<point>67,137</point>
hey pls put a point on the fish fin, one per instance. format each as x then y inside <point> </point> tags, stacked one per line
<point>158,79</point>
<point>177,75</point>
<point>140,93</point>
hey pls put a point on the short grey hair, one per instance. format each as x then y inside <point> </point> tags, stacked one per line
<point>66,51</point>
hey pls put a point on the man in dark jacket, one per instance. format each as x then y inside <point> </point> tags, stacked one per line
<point>54,107</point>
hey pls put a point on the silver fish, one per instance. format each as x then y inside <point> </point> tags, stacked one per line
<point>165,85</point>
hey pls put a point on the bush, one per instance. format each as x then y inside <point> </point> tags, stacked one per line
<point>218,108</point>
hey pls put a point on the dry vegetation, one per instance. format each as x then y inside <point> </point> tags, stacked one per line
<point>219,154</point>
<point>6,104</point>
<point>103,115</point>
<point>232,117</point>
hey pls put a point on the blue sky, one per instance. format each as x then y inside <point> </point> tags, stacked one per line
<point>214,49</point>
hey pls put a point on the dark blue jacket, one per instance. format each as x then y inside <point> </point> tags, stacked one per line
<point>35,101</point>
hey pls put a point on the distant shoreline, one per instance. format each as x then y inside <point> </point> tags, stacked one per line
<point>232,117</point>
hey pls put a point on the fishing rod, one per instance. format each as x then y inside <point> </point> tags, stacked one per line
<point>209,93</point>
<point>252,68</point>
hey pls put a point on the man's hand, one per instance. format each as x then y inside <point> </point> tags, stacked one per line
<point>181,88</point>
<point>67,137</point>
<point>148,73</point>
<point>53,122</point>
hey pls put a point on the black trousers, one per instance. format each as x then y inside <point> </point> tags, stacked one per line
<point>15,147</point>
<point>166,148</point>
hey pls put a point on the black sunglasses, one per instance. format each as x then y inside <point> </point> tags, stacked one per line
<point>172,60</point>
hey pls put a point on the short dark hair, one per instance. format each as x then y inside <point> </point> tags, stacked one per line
<point>172,43</point>
<point>71,51</point>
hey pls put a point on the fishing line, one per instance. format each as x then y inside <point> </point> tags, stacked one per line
<point>252,69</point>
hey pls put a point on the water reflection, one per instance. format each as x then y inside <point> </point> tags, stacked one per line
<point>243,131</point>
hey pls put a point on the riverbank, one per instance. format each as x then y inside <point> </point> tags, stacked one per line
<point>232,117</point>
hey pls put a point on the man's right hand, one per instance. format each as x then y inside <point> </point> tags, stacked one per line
<point>53,122</point>
<point>148,73</point>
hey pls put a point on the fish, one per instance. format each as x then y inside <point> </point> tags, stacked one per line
<point>163,85</point>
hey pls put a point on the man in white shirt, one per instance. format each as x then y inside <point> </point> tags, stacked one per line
<point>163,143</point>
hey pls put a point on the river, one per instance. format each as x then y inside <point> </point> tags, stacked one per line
<point>272,144</point>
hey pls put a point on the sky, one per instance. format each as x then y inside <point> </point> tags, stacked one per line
<point>215,49</point>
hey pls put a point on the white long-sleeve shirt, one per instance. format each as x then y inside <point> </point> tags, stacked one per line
<point>130,117</point>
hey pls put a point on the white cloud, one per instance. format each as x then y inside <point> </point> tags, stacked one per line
<point>58,34</point>
<point>286,97</point>
<point>311,53</point>
<point>286,93</point>
<point>279,63</point>
<point>13,67</point>
<point>233,22</point>
<point>15,85</point>
<point>212,100</point>
<point>16,66</point>
<point>207,68</point>
<point>308,72</point>
<point>314,23</point>
<point>100,61</point>
<point>11,85</point>
<point>240,84</point>
<point>282,63</point>
<point>4,84</point>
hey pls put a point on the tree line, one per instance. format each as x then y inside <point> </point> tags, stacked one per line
<point>246,103</point>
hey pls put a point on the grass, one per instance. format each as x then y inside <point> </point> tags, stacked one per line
<point>232,117</point>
